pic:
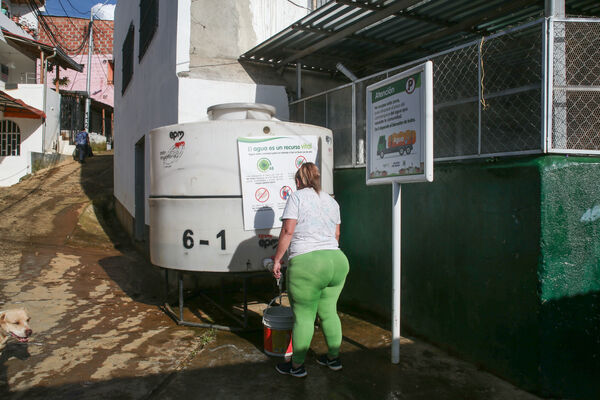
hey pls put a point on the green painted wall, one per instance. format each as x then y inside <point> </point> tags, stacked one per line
<point>496,264</point>
<point>366,240</point>
<point>569,277</point>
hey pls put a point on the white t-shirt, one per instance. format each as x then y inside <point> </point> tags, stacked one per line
<point>317,216</point>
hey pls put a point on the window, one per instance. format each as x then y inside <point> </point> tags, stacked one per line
<point>127,53</point>
<point>10,138</point>
<point>110,76</point>
<point>148,23</point>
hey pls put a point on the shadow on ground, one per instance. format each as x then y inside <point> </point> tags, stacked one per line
<point>367,374</point>
<point>12,350</point>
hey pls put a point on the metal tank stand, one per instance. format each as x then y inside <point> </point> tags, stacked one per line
<point>178,318</point>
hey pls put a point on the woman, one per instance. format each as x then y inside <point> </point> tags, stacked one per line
<point>317,268</point>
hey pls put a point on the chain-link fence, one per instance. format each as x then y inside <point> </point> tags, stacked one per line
<point>487,100</point>
<point>489,96</point>
<point>575,106</point>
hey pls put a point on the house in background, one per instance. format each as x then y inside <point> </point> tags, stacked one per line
<point>72,35</point>
<point>72,32</point>
<point>36,128</point>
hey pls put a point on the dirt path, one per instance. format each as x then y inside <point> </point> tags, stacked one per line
<point>91,324</point>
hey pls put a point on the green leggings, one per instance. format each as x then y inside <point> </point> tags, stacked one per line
<point>315,281</point>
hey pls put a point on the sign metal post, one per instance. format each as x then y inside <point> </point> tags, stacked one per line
<point>400,150</point>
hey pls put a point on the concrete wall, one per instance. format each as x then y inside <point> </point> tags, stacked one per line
<point>499,265</point>
<point>46,160</point>
<point>150,100</point>
<point>33,96</point>
<point>224,29</point>
<point>220,31</point>
<point>196,95</point>
<point>13,168</point>
<point>271,17</point>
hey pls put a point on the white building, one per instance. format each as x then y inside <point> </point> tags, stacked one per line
<point>29,110</point>
<point>174,59</point>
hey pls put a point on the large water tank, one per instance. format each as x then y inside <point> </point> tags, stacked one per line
<point>196,213</point>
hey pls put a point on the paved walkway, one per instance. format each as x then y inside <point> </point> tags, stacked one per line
<point>99,334</point>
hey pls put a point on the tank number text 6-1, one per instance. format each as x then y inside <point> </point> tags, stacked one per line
<point>189,242</point>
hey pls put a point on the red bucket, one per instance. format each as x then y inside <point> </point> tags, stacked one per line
<point>277,330</point>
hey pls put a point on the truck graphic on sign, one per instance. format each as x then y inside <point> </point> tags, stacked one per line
<point>401,142</point>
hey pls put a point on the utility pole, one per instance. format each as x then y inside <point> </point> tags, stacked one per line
<point>88,100</point>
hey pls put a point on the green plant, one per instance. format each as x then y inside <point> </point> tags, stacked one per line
<point>98,146</point>
<point>64,81</point>
<point>207,337</point>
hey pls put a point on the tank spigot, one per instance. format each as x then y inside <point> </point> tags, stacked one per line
<point>268,264</point>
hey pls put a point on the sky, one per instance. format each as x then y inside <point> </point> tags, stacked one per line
<point>80,8</point>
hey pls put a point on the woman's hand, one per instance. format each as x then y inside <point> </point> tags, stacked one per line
<point>285,237</point>
<point>277,269</point>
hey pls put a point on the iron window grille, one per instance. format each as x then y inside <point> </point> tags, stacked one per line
<point>10,138</point>
<point>72,110</point>
<point>127,54</point>
<point>148,24</point>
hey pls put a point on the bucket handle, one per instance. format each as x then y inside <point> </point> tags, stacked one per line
<point>278,297</point>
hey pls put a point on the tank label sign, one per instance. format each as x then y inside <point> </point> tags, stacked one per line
<point>400,127</point>
<point>175,152</point>
<point>267,169</point>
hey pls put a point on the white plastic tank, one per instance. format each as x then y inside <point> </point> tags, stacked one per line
<point>196,210</point>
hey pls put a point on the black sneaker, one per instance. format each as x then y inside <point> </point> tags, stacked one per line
<point>335,364</point>
<point>287,369</point>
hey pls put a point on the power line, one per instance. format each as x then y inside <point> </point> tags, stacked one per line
<point>57,42</point>
<point>101,69</point>
<point>62,40</point>
<point>76,73</point>
<point>74,8</point>
<point>67,15</point>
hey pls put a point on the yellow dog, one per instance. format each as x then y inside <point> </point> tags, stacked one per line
<point>14,323</point>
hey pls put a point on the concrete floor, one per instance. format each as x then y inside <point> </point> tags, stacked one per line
<point>100,333</point>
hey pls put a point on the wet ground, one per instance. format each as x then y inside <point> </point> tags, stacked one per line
<point>100,332</point>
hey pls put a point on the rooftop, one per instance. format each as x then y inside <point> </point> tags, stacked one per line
<point>368,36</point>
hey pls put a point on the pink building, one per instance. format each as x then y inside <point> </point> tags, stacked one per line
<point>72,34</point>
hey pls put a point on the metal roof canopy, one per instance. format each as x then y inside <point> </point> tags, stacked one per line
<point>373,35</point>
<point>32,48</point>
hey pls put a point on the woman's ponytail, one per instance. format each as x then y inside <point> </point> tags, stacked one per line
<point>308,175</point>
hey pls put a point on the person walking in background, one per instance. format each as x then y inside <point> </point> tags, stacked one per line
<point>317,268</point>
<point>82,141</point>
